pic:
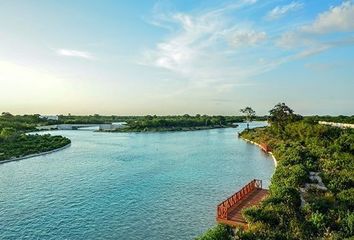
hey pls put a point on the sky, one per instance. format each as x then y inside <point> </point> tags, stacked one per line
<point>167,57</point>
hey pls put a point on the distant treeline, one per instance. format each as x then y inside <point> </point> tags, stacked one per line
<point>29,122</point>
<point>21,123</point>
<point>179,123</point>
<point>153,119</point>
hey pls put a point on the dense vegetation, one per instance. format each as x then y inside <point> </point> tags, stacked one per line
<point>96,118</point>
<point>93,119</point>
<point>159,123</point>
<point>14,142</point>
<point>218,232</point>
<point>177,123</point>
<point>21,123</point>
<point>248,115</point>
<point>19,145</point>
<point>301,146</point>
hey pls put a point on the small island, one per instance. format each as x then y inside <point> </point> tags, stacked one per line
<point>178,123</point>
<point>16,143</point>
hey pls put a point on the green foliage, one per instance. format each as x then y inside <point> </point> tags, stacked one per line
<point>318,221</point>
<point>177,123</point>
<point>281,115</point>
<point>289,176</point>
<point>7,132</point>
<point>21,145</point>
<point>288,196</point>
<point>346,198</point>
<point>319,200</point>
<point>264,215</point>
<point>295,154</point>
<point>348,224</point>
<point>345,143</point>
<point>21,123</point>
<point>93,119</point>
<point>15,143</point>
<point>339,180</point>
<point>249,114</point>
<point>219,232</point>
<point>260,231</point>
<point>301,146</point>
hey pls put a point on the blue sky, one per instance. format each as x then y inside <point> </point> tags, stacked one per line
<point>174,57</point>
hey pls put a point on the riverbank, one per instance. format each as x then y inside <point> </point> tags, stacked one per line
<point>168,129</point>
<point>259,145</point>
<point>305,151</point>
<point>35,154</point>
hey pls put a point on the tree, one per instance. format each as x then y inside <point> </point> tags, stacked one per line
<point>281,115</point>
<point>6,114</point>
<point>249,114</point>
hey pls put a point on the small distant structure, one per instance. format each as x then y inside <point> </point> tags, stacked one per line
<point>49,117</point>
<point>97,126</point>
<point>334,124</point>
<point>119,124</point>
<point>47,128</point>
<point>112,126</point>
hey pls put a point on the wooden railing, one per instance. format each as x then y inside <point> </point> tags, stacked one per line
<point>224,207</point>
<point>265,147</point>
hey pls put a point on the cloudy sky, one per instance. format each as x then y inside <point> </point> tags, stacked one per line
<point>173,57</point>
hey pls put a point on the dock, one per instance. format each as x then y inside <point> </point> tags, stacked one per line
<point>230,210</point>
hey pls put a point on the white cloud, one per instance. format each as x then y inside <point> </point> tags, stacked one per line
<point>336,19</point>
<point>313,38</point>
<point>202,46</point>
<point>281,11</point>
<point>75,53</point>
<point>241,38</point>
<point>216,50</point>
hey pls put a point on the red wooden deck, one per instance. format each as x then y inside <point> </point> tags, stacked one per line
<point>230,211</point>
<point>265,147</point>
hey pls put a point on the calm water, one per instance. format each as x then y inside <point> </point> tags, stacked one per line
<point>127,185</point>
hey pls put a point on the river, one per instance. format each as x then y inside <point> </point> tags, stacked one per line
<point>127,185</point>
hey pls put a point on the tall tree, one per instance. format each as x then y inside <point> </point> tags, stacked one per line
<point>281,115</point>
<point>249,114</point>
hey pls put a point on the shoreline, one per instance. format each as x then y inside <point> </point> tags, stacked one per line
<point>35,154</point>
<point>161,130</point>
<point>257,144</point>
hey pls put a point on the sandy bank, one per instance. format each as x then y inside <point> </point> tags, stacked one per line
<point>271,154</point>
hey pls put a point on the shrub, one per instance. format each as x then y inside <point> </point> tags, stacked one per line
<point>318,221</point>
<point>267,216</point>
<point>346,198</point>
<point>292,176</point>
<point>219,232</point>
<point>348,224</point>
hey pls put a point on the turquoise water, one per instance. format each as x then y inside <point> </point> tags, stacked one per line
<point>127,185</point>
